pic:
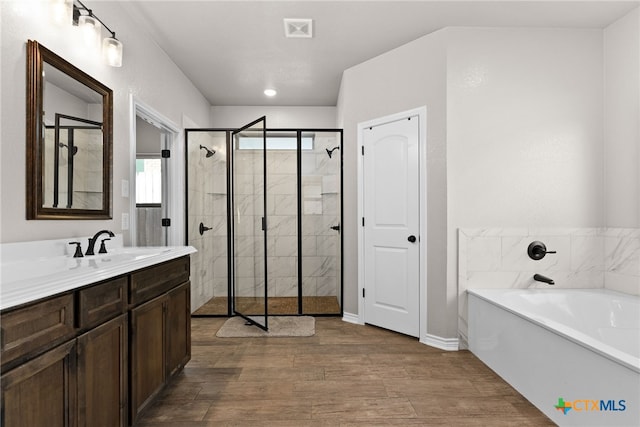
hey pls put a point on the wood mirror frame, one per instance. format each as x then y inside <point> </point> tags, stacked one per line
<point>37,57</point>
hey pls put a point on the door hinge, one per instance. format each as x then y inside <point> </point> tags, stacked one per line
<point>165,154</point>
<point>362,292</point>
<point>362,150</point>
<point>363,221</point>
<point>166,222</point>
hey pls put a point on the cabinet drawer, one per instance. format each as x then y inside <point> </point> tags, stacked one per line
<point>35,328</point>
<point>151,282</point>
<point>102,302</point>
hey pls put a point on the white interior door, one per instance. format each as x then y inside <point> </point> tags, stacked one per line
<point>392,226</point>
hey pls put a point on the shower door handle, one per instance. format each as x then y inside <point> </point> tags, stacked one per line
<point>412,238</point>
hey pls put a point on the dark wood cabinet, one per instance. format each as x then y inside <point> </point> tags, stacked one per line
<point>97,355</point>
<point>147,353</point>
<point>102,302</point>
<point>153,281</point>
<point>103,374</point>
<point>42,392</point>
<point>160,344</point>
<point>178,328</point>
<point>35,328</point>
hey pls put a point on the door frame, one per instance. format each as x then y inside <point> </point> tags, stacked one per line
<point>175,170</point>
<point>265,222</point>
<point>421,113</point>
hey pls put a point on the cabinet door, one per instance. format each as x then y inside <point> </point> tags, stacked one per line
<point>41,392</point>
<point>178,328</point>
<point>147,353</point>
<point>102,375</point>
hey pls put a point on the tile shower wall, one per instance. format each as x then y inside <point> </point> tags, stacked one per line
<point>585,258</point>
<point>248,188</point>
<point>87,170</point>
<point>320,212</point>
<point>320,209</point>
<point>207,196</point>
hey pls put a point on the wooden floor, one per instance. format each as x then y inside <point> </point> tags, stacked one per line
<point>345,375</point>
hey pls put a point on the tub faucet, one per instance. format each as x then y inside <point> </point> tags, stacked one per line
<point>94,239</point>
<point>544,279</point>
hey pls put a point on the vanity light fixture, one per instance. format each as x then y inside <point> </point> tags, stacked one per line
<point>91,30</point>
<point>90,24</point>
<point>112,51</point>
<point>61,11</point>
<point>270,92</point>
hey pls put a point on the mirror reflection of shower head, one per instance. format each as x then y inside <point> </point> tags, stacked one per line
<point>74,151</point>
<point>330,152</point>
<point>209,151</point>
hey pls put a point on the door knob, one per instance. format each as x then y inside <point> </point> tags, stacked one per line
<point>412,238</point>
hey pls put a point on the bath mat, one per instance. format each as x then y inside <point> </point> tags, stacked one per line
<point>279,326</point>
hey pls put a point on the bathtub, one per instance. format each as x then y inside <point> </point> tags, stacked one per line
<point>576,349</point>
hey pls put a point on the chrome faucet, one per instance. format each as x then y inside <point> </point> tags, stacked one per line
<point>94,239</point>
<point>543,279</point>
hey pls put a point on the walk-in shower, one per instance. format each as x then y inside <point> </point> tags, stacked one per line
<point>265,212</point>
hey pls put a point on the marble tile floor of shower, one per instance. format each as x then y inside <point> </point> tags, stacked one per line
<point>218,306</point>
<point>345,375</point>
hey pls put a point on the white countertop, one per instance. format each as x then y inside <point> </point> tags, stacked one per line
<point>26,280</point>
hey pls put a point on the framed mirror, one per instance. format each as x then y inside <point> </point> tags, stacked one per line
<point>69,140</point>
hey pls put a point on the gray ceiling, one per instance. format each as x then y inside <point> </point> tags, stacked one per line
<point>233,50</point>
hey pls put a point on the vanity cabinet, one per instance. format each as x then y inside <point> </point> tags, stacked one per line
<point>98,355</point>
<point>160,331</point>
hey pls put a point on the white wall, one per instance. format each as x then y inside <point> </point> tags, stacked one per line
<point>514,135</point>
<point>147,73</point>
<point>277,117</point>
<point>621,127</point>
<point>524,133</point>
<point>410,76</point>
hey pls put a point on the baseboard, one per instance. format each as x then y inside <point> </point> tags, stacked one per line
<point>448,344</point>
<point>350,318</point>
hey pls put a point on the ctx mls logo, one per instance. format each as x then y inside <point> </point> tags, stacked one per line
<point>586,405</point>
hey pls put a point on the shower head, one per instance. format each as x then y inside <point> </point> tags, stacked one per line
<point>330,152</point>
<point>209,151</point>
<point>73,152</point>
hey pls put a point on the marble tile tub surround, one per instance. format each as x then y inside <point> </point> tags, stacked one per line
<point>585,258</point>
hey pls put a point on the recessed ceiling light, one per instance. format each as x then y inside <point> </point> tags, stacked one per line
<point>270,92</point>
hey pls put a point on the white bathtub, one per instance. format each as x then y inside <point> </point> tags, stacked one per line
<point>576,344</point>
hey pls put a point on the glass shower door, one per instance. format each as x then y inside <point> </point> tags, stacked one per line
<point>250,223</point>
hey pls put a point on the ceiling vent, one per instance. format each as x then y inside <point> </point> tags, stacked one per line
<point>298,28</point>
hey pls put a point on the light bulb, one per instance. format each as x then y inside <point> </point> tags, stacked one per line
<point>90,28</point>
<point>112,51</point>
<point>61,11</point>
